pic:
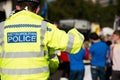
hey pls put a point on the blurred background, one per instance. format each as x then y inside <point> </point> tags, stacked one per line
<point>86,15</point>
<point>100,16</point>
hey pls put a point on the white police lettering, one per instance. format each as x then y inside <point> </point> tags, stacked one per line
<point>18,37</point>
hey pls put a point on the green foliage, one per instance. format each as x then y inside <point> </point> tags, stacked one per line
<point>81,9</point>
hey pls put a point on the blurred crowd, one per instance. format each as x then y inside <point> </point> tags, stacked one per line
<point>100,52</point>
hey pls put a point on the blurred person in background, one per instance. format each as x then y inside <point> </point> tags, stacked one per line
<point>64,64</point>
<point>77,68</point>
<point>107,40</point>
<point>115,55</point>
<point>86,46</point>
<point>98,53</point>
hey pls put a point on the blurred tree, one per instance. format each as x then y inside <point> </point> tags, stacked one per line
<point>118,7</point>
<point>82,9</point>
<point>66,9</point>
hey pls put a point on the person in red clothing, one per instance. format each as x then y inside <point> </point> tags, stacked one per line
<point>64,57</point>
<point>86,48</point>
<point>64,64</point>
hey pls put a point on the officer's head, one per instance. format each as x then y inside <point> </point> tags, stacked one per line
<point>31,5</point>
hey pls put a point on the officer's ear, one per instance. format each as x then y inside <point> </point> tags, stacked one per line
<point>18,7</point>
<point>37,10</point>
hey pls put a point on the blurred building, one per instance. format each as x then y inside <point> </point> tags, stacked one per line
<point>6,6</point>
<point>107,2</point>
<point>82,26</point>
<point>104,2</point>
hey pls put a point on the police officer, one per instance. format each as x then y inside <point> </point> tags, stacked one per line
<point>26,41</point>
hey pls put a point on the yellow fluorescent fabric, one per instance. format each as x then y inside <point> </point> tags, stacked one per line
<point>13,68</point>
<point>79,38</point>
<point>43,76</point>
<point>54,63</point>
<point>24,62</point>
<point>58,40</point>
<point>0,49</point>
<point>53,38</point>
<point>24,17</point>
<point>24,47</point>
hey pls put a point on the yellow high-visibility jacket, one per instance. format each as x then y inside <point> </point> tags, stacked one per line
<point>26,38</point>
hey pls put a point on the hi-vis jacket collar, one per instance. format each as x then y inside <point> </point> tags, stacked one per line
<point>25,12</point>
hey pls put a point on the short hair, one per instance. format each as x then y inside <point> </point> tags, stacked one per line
<point>31,5</point>
<point>93,36</point>
<point>117,32</point>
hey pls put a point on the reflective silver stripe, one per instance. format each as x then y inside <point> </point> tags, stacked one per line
<point>25,71</point>
<point>1,37</point>
<point>70,42</point>
<point>23,55</point>
<point>0,55</point>
<point>43,30</point>
<point>81,37</point>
